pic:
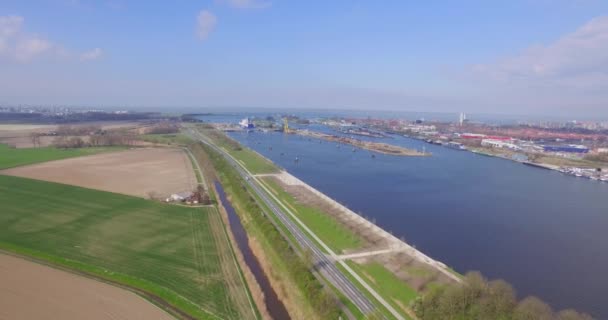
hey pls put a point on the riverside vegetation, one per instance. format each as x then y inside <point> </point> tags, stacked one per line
<point>478,298</point>
<point>321,300</point>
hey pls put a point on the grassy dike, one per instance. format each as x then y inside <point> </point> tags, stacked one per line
<point>334,234</point>
<point>307,298</point>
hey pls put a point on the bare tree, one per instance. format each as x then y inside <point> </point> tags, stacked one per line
<point>35,138</point>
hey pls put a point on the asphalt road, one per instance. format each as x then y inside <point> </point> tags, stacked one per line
<point>324,264</point>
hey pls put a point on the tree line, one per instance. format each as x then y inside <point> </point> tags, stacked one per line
<point>478,298</point>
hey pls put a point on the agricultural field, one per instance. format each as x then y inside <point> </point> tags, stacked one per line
<point>11,157</point>
<point>89,299</point>
<point>148,173</point>
<point>174,255</point>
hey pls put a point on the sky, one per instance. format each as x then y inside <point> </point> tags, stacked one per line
<point>505,57</point>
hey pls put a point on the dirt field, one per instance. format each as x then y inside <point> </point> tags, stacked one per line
<point>138,172</point>
<point>31,291</point>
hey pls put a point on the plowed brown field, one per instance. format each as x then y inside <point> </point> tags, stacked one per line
<point>156,172</point>
<point>31,291</point>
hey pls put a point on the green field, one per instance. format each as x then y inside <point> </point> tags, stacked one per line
<point>335,235</point>
<point>176,253</point>
<point>172,138</point>
<point>11,157</point>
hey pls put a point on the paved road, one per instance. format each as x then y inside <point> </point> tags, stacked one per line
<point>324,264</point>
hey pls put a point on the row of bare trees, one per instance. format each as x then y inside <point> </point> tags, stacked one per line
<point>163,128</point>
<point>96,140</point>
<point>79,130</point>
<point>478,298</point>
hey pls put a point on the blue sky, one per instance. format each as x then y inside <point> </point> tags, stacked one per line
<point>518,56</point>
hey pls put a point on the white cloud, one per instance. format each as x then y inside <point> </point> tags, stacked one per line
<point>205,23</point>
<point>10,25</point>
<point>29,47</point>
<point>580,55</point>
<point>18,45</point>
<point>247,4</point>
<point>91,55</point>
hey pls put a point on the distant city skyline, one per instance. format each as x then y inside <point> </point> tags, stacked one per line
<point>522,57</point>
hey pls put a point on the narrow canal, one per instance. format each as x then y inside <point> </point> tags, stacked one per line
<point>274,306</point>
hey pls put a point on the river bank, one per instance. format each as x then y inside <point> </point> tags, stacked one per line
<point>390,240</point>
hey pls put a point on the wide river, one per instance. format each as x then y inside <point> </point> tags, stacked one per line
<point>542,231</point>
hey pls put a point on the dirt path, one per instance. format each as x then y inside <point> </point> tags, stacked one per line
<point>31,291</point>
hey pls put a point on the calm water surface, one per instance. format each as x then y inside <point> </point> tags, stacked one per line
<point>544,232</point>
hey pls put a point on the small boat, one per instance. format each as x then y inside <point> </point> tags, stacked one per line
<point>373,155</point>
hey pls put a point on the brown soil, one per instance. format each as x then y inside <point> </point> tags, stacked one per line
<point>153,172</point>
<point>32,291</point>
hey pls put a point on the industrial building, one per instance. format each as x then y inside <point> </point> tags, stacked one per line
<point>499,144</point>
<point>571,148</point>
